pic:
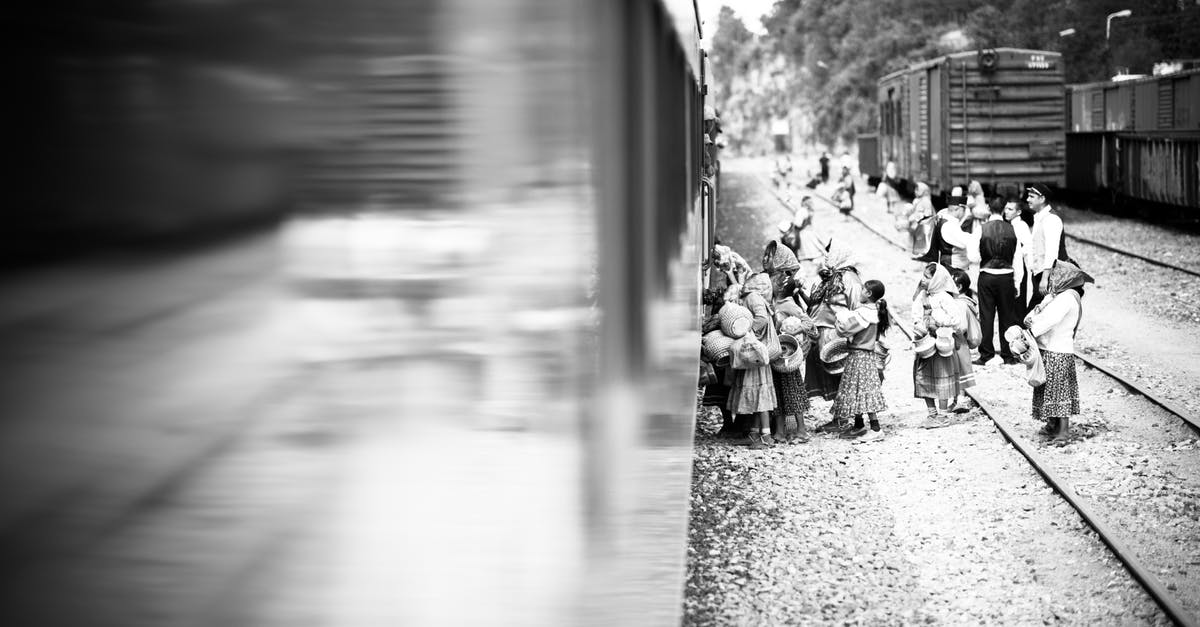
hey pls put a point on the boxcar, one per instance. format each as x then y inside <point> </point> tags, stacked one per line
<point>993,115</point>
<point>1135,144</point>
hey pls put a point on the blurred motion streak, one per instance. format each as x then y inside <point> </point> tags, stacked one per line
<point>355,313</point>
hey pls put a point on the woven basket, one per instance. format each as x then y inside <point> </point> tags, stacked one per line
<point>736,320</point>
<point>924,347</point>
<point>834,350</point>
<point>792,358</point>
<point>715,345</point>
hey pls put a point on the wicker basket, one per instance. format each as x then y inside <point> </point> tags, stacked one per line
<point>736,320</point>
<point>924,347</point>
<point>792,358</point>
<point>715,346</point>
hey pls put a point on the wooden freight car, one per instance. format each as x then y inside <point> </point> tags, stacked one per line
<point>992,115</point>
<point>1135,144</point>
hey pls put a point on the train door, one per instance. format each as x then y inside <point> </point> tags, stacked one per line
<point>916,105</point>
<point>936,135</point>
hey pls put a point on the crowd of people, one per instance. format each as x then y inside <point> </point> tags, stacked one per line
<point>990,269</point>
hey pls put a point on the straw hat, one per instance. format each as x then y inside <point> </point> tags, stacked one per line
<point>715,345</point>
<point>735,320</point>
<point>924,347</point>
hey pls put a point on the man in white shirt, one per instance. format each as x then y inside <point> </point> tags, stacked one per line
<point>949,245</point>
<point>1047,239</point>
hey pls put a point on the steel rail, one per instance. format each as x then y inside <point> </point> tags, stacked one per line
<point>1157,591</point>
<point>1129,254</point>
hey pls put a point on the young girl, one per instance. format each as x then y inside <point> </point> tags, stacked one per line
<point>753,390</point>
<point>962,347</point>
<point>936,378</point>
<point>861,391</point>
<point>792,414</point>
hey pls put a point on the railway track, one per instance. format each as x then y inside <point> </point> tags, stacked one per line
<point>1120,251</point>
<point>1139,570</point>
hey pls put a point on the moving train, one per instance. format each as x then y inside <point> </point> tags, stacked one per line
<point>492,223</point>
<point>1004,117</point>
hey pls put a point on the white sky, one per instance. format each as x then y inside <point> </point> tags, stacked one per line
<point>749,10</point>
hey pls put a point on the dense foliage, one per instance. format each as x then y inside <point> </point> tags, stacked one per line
<point>820,59</point>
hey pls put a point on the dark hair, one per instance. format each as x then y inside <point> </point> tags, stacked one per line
<point>962,280</point>
<point>997,205</point>
<point>876,290</point>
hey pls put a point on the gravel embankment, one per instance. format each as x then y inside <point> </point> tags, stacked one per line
<point>949,526</point>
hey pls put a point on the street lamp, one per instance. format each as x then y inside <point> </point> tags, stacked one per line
<point>1108,22</point>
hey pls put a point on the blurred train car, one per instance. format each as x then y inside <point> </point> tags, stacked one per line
<point>1134,145</point>
<point>991,115</point>
<point>491,254</point>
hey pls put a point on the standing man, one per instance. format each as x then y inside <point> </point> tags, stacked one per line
<point>1047,244</point>
<point>997,289</point>
<point>948,244</point>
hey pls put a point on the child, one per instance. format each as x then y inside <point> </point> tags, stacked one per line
<point>936,378</point>
<point>753,390</point>
<point>861,391</point>
<point>792,414</point>
<point>967,338</point>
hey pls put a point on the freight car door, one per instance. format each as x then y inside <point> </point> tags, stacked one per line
<point>936,128</point>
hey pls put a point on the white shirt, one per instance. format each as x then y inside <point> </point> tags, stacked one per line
<point>1024,241</point>
<point>953,234</point>
<point>1051,227</point>
<point>1054,325</point>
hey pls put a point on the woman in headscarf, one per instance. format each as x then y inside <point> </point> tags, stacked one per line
<point>938,379</point>
<point>802,237</point>
<point>789,416</point>
<point>840,285</point>
<point>1054,323</point>
<point>753,389</point>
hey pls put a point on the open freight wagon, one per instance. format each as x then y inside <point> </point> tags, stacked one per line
<point>992,115</point>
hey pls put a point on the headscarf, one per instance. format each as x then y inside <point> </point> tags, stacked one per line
<point>777,258</point>
<point>941,281</point>
<point>760,283</point>
<point>1065,275</point>
<point>836,258</point>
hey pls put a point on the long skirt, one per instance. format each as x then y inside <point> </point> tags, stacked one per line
<point>717,394</point>
<point>818,381</point>
<point>861,391</point>
<point>936,377</point>
<point>966,372</point>
<point>753,391</point>
<point>1058,397</point>
<point>791,392</point>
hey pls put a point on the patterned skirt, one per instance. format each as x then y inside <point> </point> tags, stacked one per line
<point>1059,396</point>
<point>791,392</point>
<point>753,391</point>
<point>861,391</point>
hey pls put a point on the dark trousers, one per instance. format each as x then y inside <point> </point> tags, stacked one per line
<point>1035,294</point>
<point>997,294</point>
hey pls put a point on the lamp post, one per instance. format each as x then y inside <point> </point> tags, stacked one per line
<point>1108,22</point>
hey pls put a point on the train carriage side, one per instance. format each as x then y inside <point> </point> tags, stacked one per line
<point>1134,145</point>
